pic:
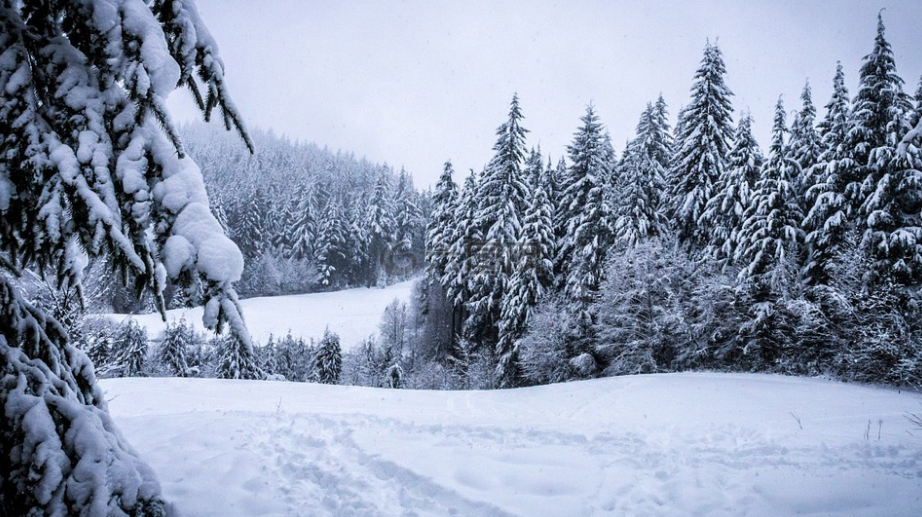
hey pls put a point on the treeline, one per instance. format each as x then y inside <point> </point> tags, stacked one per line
<point>309,219</point>
<point>125,349</point>
<point>693,249</point>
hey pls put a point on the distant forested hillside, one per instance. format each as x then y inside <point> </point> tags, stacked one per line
<point>308,218</point>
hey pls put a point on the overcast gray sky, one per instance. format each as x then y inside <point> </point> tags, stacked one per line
<point>417,82</point>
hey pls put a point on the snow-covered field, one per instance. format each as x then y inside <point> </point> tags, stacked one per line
<point>354,314</point>
<point>684,444</point>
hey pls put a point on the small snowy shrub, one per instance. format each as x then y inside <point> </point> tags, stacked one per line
<point>394,376</point>
<point>546,351</point>
<point>362,365</point>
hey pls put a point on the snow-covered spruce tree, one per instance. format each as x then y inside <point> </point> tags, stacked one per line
<point>638,210</point>
<point>267,359</point>
<point>559,181</point>
<point>806,146</point>
<point>434,314</point>
<point>293,358</point>
<point>172,354</point>
<point>882,343</point>
<point>916,115</point>
<point>442,224</point>
<point>90,162</point>
<point>768,254</point>
<point>441,228</point>
<point>407,224</point>
<point>534,271</point>
<point>663,141</point>
<point>328,360</point>
<point>131,345</point>
<point>237,359</point>
<point>890,191</point>
<point>584,219</point>
<point>538,241</point>
<point>217,209</point>
<point>303,231</point>
<point>893,237</point>
<point>502,193</point>
<point>330,247</point>
<point>358,242</point>
<point>701,148</point>
<point>828,214</point>
<point>770,236</point>
<point>284,218</point>
<point>733,193</point>
<point>378,230</point>
<point>462,249</point>
<point>252,229</point>
<point>423,201</point>
<point>465,242</point>
<point>553,183</point>
<point>99,333</point>
<point>878,124</point>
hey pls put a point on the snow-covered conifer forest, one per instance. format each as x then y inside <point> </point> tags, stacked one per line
<point>221,286</point>
<point>692,248</point>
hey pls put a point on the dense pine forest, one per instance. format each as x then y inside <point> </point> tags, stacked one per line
<point>693,248</point>
<point>307,218</point>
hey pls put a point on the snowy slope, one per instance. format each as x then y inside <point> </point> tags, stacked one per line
<point>685,444</point>
<point>353,313</point>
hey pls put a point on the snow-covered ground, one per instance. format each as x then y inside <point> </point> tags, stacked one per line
<point>354,314</point>
<point>684,444</point>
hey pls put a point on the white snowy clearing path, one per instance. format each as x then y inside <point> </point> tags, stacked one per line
<point>354,314</point>
<point>683,444</point>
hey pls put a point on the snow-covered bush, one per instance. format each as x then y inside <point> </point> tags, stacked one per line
<point>432,375</point>
<point>394,376</point>
<point>638,314</point>
<point>367,364</point>
<point>361,366</point>
<point>551,343</point>
<point>396,328</point>
<point>881,343</point>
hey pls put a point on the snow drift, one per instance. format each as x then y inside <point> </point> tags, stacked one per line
<point>679,444</point>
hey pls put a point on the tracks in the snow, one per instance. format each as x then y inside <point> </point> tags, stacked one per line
<point>321,470</point>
